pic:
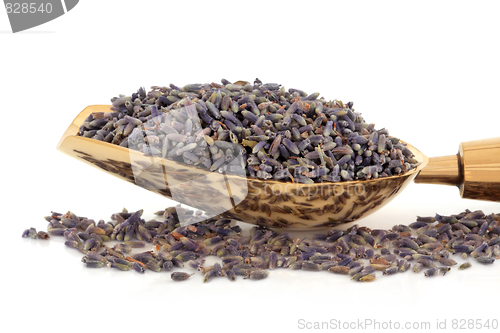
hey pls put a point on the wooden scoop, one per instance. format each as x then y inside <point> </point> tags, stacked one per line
<point>278,204</point>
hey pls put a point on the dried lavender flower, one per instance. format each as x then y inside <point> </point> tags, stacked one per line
<point>180,276</point>
<point>262,118</point>
<point>252,255</point>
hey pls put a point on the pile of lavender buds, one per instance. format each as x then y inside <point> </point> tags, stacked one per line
<point>281,135</point>
<point>426,245</point>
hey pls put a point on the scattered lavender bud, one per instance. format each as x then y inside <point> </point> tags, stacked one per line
<point>252,255</point>
<point>180,276</point>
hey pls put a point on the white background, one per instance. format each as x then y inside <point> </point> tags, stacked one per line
<point>427,70</point>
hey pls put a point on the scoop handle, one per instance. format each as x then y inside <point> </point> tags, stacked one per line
<point>475,170</point>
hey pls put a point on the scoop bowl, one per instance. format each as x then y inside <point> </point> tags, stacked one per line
<point>271,203</point>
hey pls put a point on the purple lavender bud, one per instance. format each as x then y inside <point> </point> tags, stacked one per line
<point>290,146</point>
<point>344,160</point>
<point>258,146</point>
